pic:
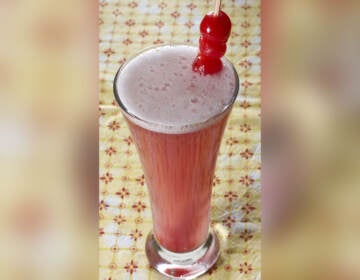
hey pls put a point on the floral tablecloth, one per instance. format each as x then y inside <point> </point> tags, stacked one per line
<point>126,26</point>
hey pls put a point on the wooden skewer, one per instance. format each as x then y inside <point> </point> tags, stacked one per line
<point>217,7</point>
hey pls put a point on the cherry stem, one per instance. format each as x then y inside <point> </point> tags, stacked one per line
<point>217,7</point>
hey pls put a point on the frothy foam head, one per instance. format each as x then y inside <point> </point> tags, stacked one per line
<point>160,88</point>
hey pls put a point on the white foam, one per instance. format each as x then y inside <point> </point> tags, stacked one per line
<point>159,87</point>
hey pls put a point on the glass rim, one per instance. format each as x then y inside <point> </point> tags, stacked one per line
<point>171,129</point>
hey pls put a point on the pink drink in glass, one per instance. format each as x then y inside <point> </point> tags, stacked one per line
<point>177,119</point>
<point>179,169</point>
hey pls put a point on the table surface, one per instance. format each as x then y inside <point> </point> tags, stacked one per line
<point>127,26</point>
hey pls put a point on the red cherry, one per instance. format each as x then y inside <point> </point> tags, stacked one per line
<point>211,48</point>
<point>215,31</point>
<point>216,27</point>
<point>207,64</point>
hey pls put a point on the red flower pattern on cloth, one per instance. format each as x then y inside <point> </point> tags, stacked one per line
<point>107,178</point>
<point>216,180</point>
<point>109,52</point>
<point>245,268</point>
<point>130,22</point>
<point>247,154</point>
<point>247,208</point>
<point>123,193</point>
<point>246,84</point>
<point>128,140</point>
<point>127,42</point>
<point>245,64</point>
<point>141,180</point>
<point>110,151</point>
<point>191,6</point>
<point>246,235</point>
<point>231,141</point>
<point>230,195</point>
<point>103,205</point>
<point>159,23</point>
<point>175,14</point>
<point>133,4</point>
<point>114,125</point>
<point>245,127</point>
<point>139,206</point>
<point>144,33</point>
<point>245,104</point>
<point>136,234</point>
<point>131,267</point>
<point>246,180</point>
<point>246,44</point>
<point>119,219</point>
<point>228,221</point>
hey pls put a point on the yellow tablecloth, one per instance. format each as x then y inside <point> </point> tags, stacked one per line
<point>126,26</point>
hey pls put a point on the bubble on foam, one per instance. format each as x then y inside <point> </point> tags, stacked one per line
<point>171,94</point>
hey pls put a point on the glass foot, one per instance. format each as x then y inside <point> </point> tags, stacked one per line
<point>183,265</point>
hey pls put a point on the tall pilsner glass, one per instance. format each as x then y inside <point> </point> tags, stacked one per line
<point>177,118</point>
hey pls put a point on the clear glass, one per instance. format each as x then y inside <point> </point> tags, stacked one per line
<point>179,169</point>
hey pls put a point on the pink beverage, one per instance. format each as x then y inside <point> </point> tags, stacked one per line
<point>177,118</point>
<point>179,169</point>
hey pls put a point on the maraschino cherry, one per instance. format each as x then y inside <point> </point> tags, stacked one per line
<point>215,30</point>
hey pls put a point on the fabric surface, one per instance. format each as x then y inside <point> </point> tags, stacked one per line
<point>126,27</point>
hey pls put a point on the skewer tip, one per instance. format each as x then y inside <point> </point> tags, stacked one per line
<point>217,7</point>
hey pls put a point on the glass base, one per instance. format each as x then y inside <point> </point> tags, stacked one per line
<point>187,265</point>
